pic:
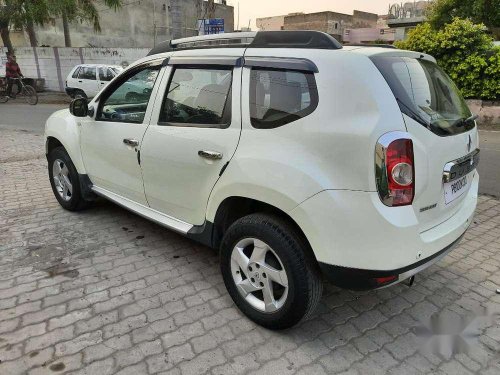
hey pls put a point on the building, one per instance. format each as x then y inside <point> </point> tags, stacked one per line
<point>136,24</point>
<point>275,23</point>
<point>369,35</point>
<point>333,23</point>
<point>405,16</point>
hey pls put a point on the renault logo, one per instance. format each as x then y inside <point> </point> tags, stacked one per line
<point>469,145</point>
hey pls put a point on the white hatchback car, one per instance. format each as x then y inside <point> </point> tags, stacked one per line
<point>296,157</point>
<point>87,80</point>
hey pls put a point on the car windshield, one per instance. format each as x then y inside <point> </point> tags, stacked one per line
<point>426,93</point>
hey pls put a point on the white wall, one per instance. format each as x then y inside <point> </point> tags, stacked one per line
<point>54,64</point>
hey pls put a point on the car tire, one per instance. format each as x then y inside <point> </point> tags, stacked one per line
<point>274,254</point>
<point>65,181</point>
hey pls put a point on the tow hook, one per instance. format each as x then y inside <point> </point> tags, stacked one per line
<point>410,281</point>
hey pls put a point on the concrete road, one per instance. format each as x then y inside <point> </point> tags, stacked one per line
<point>26,117</point>
<point>29,118</point>
<point>104,291</point>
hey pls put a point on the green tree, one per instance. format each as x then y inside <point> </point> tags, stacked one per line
<point>28,13</point>
<point>465,52</point>
<point>78,11</point>
<point>442,12</point>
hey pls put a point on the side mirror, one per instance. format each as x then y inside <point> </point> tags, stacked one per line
<point>79,107</point>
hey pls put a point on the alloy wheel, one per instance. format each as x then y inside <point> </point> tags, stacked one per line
<point>259,275</point>
<point>62,180</point>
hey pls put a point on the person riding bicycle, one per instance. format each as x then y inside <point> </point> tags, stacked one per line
<point>12,71</point>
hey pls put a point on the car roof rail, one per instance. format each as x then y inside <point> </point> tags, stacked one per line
<point>260,39</point>
<point>380,45</point>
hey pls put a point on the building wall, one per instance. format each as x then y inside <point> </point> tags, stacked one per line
<point>54,64</point>
<point>330,22</point>
<point>271,23</point>
<point>363,19</point>
<point>367,35</point>
<point>133,25</point>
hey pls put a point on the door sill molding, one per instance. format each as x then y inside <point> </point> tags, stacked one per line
<point>146,212</point>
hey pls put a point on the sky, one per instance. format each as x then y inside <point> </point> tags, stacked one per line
<point>252,9</point>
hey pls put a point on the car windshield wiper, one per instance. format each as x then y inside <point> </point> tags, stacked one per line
<point>464,121</point>
<point>414,114</point>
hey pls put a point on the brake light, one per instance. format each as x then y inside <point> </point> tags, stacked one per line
<point>395,169</point>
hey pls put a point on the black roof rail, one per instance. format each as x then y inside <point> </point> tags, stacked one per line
<point>260,39</point>
<point>380,45</point>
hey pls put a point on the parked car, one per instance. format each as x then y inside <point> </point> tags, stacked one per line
<point>294,156</point>
<point>86,80</point>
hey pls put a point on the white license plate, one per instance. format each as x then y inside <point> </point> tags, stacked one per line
<point>454,189</point>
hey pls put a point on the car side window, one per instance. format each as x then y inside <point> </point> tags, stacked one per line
<point>87,73</point>
<point>128,101</point>
<point>198,96</point>
<point>75,73</point>
<point>105,74</point>
<point>278,97</point>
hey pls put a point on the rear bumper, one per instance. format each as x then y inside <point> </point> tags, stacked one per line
<point>359,279</point>
<point>352,232</point>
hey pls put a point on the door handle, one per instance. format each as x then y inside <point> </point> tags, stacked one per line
<point>131,142</point>
<point>212,155</point>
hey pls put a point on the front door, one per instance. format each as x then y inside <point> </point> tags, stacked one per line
<point>193,134</point>
<point>111,142</point>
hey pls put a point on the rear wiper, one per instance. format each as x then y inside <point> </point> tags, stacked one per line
<point>464,121</point>
<point>414,114</point>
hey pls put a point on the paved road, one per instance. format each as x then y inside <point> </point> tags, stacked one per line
<point>25,117</point>
<point>104,291</point>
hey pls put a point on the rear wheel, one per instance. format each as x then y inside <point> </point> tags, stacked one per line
<point>30,95</point>
<point>268,272</point>
<point>65,181</point>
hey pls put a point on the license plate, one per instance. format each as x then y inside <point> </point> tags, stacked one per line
<point>454,189</point>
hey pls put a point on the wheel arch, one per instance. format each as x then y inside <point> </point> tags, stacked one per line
<point>62,130</point>
<point>235,207</point>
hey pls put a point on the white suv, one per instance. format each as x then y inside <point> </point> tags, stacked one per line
<point>295,157</point>
<point>87,80</point>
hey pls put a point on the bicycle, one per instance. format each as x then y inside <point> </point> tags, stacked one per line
<point>27,91</point>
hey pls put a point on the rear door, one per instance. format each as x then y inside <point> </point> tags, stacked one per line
<point>193,134</point>
<point>445,138</point>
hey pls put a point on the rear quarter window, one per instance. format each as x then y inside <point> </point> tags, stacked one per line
<point>279,97</point>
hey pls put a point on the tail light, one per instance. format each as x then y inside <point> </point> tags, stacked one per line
<point>395,169</point>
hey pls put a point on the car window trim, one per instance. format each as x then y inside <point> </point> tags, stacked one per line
<point>206,60</point>
<point>282,63</point>
<point>110,88</point>
<point>196,125</point>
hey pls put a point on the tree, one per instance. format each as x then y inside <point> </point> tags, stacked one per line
<point>78,11</point>
<point>442,12</point>
<point>28,13</point>
<point>465,52</point>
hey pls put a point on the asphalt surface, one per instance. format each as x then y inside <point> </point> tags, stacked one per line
<point>32,119</point>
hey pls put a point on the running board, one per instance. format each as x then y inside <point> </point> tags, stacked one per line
<point>146,212</point>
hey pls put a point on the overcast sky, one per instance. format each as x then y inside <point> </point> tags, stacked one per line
<point>252,9</point>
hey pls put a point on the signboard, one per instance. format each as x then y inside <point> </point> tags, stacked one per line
<point>211,26</point>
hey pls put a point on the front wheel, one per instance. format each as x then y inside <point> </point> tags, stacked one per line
<point>65,181</point>
<point>30,95</point>
<point>268,271</point>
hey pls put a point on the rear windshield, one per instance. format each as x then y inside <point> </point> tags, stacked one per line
<point>425,93</point>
